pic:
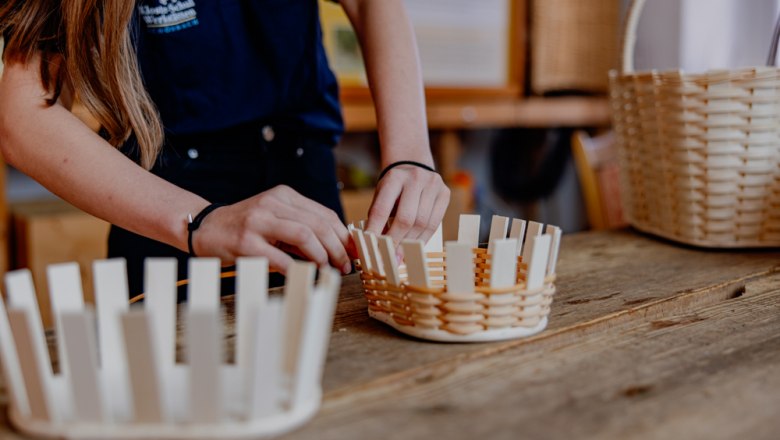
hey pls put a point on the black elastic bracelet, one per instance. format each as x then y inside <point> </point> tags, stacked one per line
<point>194,223</point>
<point>404,162</point>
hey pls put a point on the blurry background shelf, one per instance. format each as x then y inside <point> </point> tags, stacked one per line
<point>463,114</point>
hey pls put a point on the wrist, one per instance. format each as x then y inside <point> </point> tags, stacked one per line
<point>194,223</point>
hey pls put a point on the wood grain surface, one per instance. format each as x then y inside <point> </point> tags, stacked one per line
<point>647,339</point>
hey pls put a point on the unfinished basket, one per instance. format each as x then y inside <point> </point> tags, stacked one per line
<point>123,382</point>
<point>699,153</point>
<point>463,293</point>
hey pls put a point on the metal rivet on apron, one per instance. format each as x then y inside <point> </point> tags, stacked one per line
<point>299,152</point>
<point>192,153</point>
<point>268,133</point>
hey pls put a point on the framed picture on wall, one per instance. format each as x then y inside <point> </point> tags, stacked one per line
<point>467,49</point>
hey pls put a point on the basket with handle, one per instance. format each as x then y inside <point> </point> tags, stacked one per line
<point>699,153</point>
<point>462,292</point>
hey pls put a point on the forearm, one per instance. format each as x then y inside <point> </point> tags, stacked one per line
<point>393,69</point>
<point>58,150</point>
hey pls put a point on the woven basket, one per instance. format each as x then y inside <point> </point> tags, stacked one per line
<point>562,60</point>
<point>699,153</point>
<point>482,311</point>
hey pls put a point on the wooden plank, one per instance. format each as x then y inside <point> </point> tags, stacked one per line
<point>66,295</point>
<point>468,229</point>
<point>204,356</point>
<point>34,363</point>
<point>414,256</point>
<point>503,265</point>
<point>518,232</point>
<point>534,230</point>
<point>251,296</point>
<point>111,301</point>
<point>706,371</point>
<point>203,288</point>
<point>146,371</point>
<point>460,268</point>
<point>160,303</point>
<point>539,250</point>
<point>387,250</point>
<point>498,230</point>
<point>297,293</point>
<point>9,360</point>
<point>80,341</point>
<point>265,385</point>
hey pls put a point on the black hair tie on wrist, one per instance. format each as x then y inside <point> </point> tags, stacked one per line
<point>404,162</point>
<point>194,223</point>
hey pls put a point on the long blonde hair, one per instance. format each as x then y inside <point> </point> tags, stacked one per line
<point>86,45</point>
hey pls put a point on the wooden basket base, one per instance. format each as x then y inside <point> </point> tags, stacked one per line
<point>445,336</point>
<point>269,426</point>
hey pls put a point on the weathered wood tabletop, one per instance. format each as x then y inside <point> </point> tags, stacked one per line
<point>646,339</point>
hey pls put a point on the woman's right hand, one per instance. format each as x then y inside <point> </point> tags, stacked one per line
<point>271,223</point>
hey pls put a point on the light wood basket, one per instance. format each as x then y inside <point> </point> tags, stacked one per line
<point>463,293</point>
<point>699,153</point>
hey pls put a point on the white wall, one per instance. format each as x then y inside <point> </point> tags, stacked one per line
<point>698,35</point>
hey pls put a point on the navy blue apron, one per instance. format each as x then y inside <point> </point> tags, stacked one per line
<point>247,100</point>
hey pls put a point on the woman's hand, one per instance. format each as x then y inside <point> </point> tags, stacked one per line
<point>270,223</point>
<point>417,197</point>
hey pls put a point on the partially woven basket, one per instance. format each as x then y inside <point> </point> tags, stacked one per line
<point>699,153</point>
<point>466,293</point>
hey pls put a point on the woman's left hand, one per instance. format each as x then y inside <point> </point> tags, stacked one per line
<point>418,198</point>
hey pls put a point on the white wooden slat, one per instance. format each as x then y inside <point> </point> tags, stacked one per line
<point>203,286</point>
<point>251,295</point>
<point>414,256</point>
<point>498,230</point>
<point>111,301</point>
<point>539,250</point>
<point>160,303</point>
<point>297,292</point>
<point>387,250</point>
<point>66,295</point>
<point>555,244</point>
<point>468,229</point>
<point>265,385</point>
<point>35,364</point>
<point>503,264</point>
<point>9,361</point>
<point>316,333</point>
<point>460,268</point>
<point>362,248</point>
<point>204,355</point>
<point>27,330</point>
<point>373,251</point>
<point>517,232</point>
<point>144,368</point>
<point>80,342</point>
<point>435,243</point>
<point>534,230</point>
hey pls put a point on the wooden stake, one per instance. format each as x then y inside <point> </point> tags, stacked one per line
<point>468,230</point>
<point>80,342</point>
<point>538,251</point>
<point>144,368</point>
<point>415,263</point>
<point>498,229</point>
<point>460,267</point>
<point>518,232</point>
<point>503,263</point>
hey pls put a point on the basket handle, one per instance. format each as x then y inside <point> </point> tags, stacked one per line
<point>632,23</point>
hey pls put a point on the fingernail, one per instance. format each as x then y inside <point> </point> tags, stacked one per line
<point>346,269</point>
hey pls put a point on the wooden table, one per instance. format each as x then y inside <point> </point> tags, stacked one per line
<point>647,339</point>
